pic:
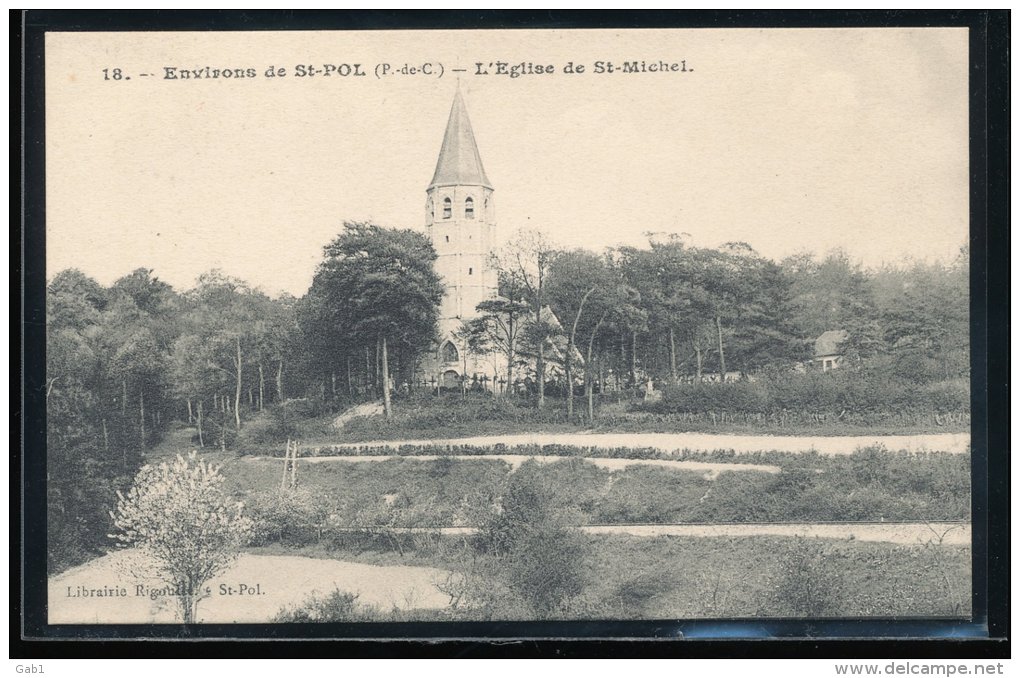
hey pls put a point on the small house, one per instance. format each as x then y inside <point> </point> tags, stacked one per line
<point>828,354</point>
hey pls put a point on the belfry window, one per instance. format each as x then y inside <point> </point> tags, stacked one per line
<point>447,208</point>
<point>469,209</point>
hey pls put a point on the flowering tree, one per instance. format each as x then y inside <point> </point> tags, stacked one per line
<point>178,515</point>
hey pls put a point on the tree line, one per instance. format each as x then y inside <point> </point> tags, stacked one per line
<point>125,360</point>
<point>138,354</point>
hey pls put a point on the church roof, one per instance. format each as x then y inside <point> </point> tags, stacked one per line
<point>459,162</point>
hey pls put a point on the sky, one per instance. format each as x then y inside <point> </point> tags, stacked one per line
<point>798,140</point>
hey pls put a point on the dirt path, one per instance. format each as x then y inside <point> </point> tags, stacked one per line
<point>255,588</point>
<point>956,443</point>
<point>363,410</point>
<point>955,534</point>
<point>951,534</point>
<point>710,469</point>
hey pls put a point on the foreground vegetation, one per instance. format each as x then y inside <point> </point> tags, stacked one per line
<point>681,578</point>
<point>529,561</point>
<point>333,498</point>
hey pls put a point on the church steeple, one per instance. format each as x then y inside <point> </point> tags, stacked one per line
<point>459,163</point>
<point>460,222</point>
<point>460,219</point>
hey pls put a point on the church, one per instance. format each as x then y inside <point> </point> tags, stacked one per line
<point>460,221</point>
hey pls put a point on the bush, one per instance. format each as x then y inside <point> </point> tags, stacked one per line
<point>547,567</point>
<point>838,392</point>
<point>543,558</point>
<point>285,517</point>
<point>871,484</point>
<point>280,422</point>
<point>269,427</point>
<point>451,414</point>
<point>949,396</point>
<point>336,606</point>
<point>649,494</point>
<point>810,582</point>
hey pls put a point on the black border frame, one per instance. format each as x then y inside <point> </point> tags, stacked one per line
<point>989,176</point>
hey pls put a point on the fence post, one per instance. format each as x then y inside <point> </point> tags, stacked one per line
<point>286,459</point>
<point>293,467</point>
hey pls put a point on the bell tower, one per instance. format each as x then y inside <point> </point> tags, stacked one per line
<point>460,222</point>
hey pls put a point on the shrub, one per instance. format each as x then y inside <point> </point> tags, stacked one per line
<point>336,606</point>
<point>949,396</point>
<point>543,558</point>
<point>810,582</point>
<point>273,425</point>
<point>649,494</point>
<point>285,517</point>
<point>547,567</point>
<point>838,392</point>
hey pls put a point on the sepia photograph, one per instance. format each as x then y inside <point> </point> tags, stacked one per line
<point>507,326</point>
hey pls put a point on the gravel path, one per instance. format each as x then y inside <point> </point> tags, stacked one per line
<point>956,534</point>
<point>270,583</point>
<point>956,443</point>
<point>710,469</point>
<point>952,534</point>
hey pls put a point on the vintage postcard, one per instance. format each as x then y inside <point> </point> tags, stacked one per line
<point>507,325</point>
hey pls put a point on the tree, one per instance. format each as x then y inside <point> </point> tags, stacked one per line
<point>179,516</point>
<point>749,303</point>
<point>670,279</point>
<point>835,293</point>
<point>228,319</point>
<point>376,286</point>
<point>925,315</point>
<point>763,332</point>
<point>526,260</point>
<point>192,379</point>
<point>91,446</point>
<point>614,303</point>
<point>589,291</point>
<point>574,277</point>
<point>74,300</point>
<point>499,325</point>
<point>279,330</point>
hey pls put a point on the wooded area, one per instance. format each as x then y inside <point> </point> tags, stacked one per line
<point>125,361</point>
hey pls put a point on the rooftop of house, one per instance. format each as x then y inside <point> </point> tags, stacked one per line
<point>828,343</point>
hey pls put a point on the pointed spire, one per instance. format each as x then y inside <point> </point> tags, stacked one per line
<point>459,162</point>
